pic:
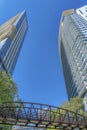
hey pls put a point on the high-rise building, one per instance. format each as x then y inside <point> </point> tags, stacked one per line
<point>12,34</point>
<point>73,51</point>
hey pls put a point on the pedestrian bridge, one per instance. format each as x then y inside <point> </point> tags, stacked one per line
<point>40,115</point>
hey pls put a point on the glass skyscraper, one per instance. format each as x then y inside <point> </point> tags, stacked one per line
<point>73,51</point>
<point>12,34</point>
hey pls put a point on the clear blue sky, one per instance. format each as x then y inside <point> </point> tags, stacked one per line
<point>38,72</point>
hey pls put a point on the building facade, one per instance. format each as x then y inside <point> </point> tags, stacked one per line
<point>12,34</point>
<point>73,51</point>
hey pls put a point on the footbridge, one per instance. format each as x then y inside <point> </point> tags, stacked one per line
<point>40,115</point>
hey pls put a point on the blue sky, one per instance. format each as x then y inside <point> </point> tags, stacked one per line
<point>38,72</point>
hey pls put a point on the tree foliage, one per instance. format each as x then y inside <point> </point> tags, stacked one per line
<point>8,89</point>
<point>8,92</point>
<point>75,105</point>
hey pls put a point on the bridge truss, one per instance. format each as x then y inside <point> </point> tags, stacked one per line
<point>40,115</point>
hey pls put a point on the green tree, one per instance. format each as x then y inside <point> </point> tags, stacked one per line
<point>75,105</point>
<point>8,92</point>
<point>8,89</point>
